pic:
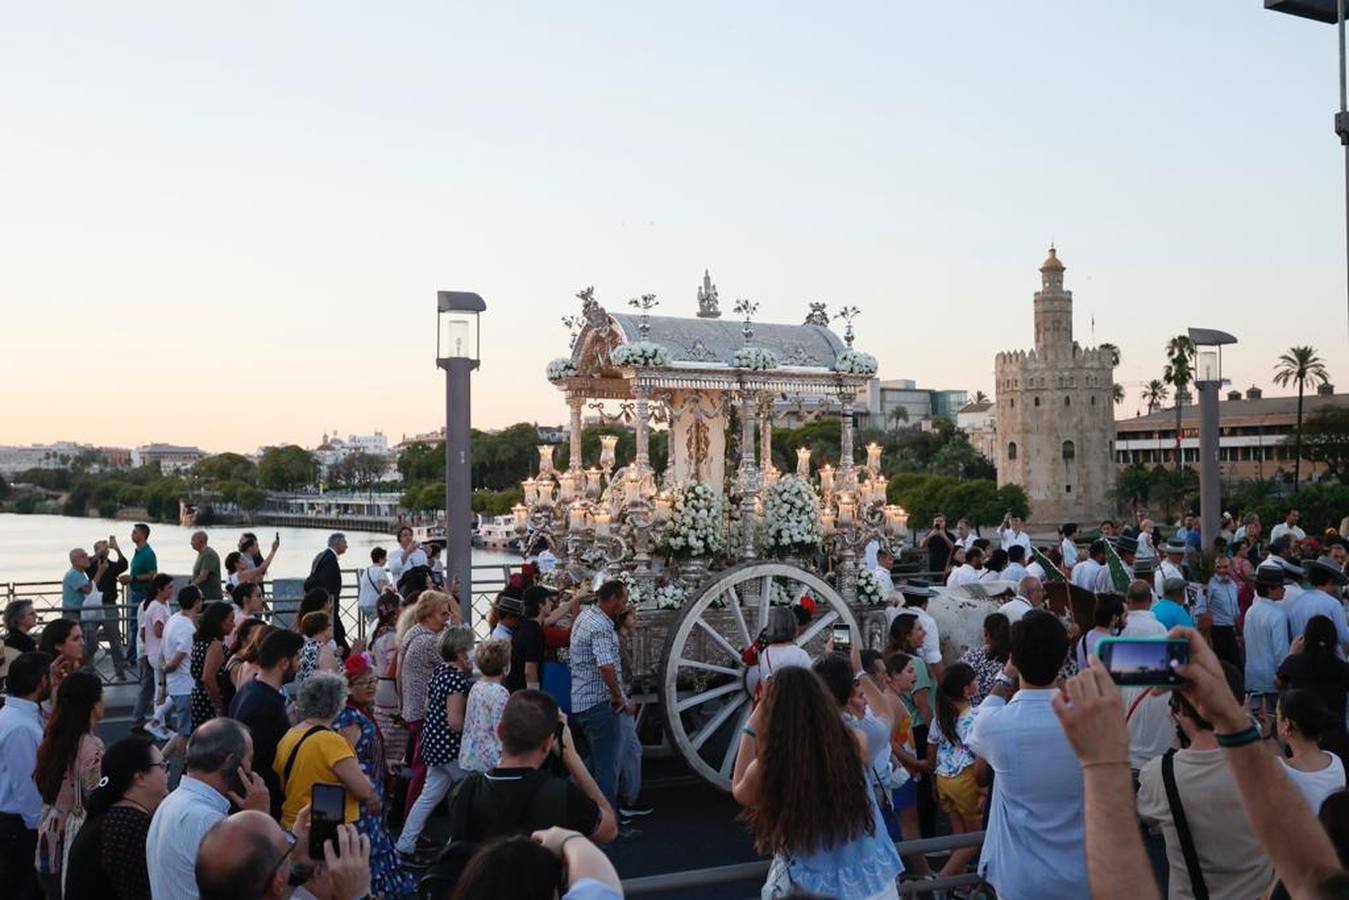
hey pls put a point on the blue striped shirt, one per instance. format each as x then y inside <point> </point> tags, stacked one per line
<point>594,643</point>
<point>1221,602</point>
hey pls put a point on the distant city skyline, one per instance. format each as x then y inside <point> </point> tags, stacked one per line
<point>231,236</point>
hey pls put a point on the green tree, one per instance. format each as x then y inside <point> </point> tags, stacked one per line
<point>1154,394</point>
<point>959,459</point>
<point>1179,373</point>
<point>1113,350</point>
<point>357,470</point>
<point>1133,485</point>
<point>1117,393</point>
<point>1301,365</point>
<point>1325,440</point>
<point>897,415</point>
<point>421,461</point>
<point>226,467</point>
<point>288,468</point>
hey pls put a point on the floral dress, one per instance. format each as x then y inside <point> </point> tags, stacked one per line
<point>387,878</point>
<point>480,747</point>
<point>61,820</point>
<point>203,710</point>
<point>309,660</point>
<point>986,671</point>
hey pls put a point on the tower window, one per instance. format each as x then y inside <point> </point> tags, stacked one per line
<point>1037,401</point>
<point>1067,488</point>
<point>1093,399</point>
<point>1069,451</point>
<point>1011,450</point>
<point>1067,401</point>
<point>1012,401</point>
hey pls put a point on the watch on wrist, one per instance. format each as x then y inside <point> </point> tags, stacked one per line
<point>1005,680</point>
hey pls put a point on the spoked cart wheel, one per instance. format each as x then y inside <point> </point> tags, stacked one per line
<point>705,687</point>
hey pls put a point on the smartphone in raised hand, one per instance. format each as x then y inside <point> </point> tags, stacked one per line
<point>1144,662</point>
<point>327,810</point>
<point>841,637</point>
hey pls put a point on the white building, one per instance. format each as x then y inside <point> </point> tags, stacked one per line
<point>979,421</point>
<point>39,456</point>
<point>171,457</point>
<point>334,449</point>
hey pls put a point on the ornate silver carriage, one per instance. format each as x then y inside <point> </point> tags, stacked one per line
<point>704,599</point>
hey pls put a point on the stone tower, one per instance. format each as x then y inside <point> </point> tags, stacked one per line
<point>1056,419</point>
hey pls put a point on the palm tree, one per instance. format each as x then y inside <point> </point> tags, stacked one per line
<point>980,397</point>
<point>1113,351</point>
<point>1117,393</point>
<point>1300,364</point>
<point>899,414</point>
<point>1154,394</point>
<point>1179,373</point>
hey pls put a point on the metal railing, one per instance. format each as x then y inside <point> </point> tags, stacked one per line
<point>696,878</point>
<point>283,599</point>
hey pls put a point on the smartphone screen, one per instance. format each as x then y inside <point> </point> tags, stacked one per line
<point>1144,662</point>
<point>327,810</point>
<point>842,638</point>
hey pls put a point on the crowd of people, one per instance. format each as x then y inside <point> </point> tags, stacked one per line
<point>533,753</point>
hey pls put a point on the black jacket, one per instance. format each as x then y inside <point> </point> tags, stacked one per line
<point>326,573</point>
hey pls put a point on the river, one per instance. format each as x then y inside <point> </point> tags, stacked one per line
<point>36,548</point>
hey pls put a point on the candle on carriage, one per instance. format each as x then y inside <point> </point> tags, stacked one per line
<point>891,519</point>
<point>567,482</point>
<point>874,456</point>
<point>545,458</point>
<point>632,488</point>
<point>847,508</point>
<point>607,444</point>
<point>593,484</point>
<point>520,516</point>
<point>577,517</point>
<point>826,479</point>
<point>803,462</point>
<point>530,488</point>
<point>827,522</point>
<point>601,520</point>
<point>662,508</point>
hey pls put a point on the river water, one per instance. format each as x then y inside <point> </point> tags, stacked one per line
<point>36,548</point>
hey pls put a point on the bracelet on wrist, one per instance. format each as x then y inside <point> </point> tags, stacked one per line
<point>1249,735</point>
<point>749,731</point>
<point>562,847</point>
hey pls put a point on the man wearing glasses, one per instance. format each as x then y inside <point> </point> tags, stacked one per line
<point>249,855</point>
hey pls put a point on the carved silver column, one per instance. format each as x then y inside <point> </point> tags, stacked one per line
<point>765,432</point>
<point>575,400</point>
<point>747,476</point>
<point>845,462</point>
<point>640,393</point>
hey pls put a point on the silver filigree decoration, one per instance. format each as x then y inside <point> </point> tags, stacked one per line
<point>645,303</point>
<point>817,315</point>
<point>747,308</point>
<point>848,313</point>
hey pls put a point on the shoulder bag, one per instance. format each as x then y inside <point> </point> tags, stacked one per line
<point>1187,849</point>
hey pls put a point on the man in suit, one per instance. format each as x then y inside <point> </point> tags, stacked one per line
<point>326,573</point>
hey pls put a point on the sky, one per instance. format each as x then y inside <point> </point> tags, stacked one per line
<point>225,224</point>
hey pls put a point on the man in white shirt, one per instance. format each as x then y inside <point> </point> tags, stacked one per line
<point>408,555</point>
<point>1068,546</point>
<point>21,727</point>
<point>1010,532</point>
<point>1084,573</point>
<point>1288,526</point>
<point>1033,844</point>
<point>916,594</point>
<point>1032,596</point>
<point>1126,547</point>
<point>1170,566</point>
<point>1016,564</point>
<point>175,679</point>
<point>965,538</point>
<point>968,572</point>
<point>884,561</point>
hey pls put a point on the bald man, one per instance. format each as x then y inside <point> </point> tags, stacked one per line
<point>245,855</point>
<point>76,587</point>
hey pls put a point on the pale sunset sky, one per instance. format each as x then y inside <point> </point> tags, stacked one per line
<point>225,224</point>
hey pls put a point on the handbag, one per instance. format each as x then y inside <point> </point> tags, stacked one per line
<point>91,610</point>
<point>74,822</point>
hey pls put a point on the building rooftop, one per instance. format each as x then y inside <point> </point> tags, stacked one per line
<point>167,448</point>
<point>717,340</point>
<point>1052,261</point>
<point>1234,412</point>
<point>983,406</point>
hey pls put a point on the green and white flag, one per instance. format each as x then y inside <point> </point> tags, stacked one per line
<point>1052,572</point>
<point>1119,572</point>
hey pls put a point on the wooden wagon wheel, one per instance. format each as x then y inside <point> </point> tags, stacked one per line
<point>705,687</point>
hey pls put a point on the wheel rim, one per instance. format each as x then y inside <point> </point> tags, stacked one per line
<point>706,689</point>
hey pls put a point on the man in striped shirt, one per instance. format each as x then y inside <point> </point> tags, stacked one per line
<point>597,698</point>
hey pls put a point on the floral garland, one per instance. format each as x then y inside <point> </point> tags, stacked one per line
<point>561,368</point>
<point>695,527</point>
<point>670,596</point>
<point>756,359</point>
<point>791,518</point>
<point>855,362</point>
<point>634,589</point>
<point>640,353</point>
<point>870,591</point>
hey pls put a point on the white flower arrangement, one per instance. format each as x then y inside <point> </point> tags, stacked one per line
<point>640,353</point>
<point>855,362</point>
<point>634,589</point>
<point>756,359</point>
<point>670,596</point>
<point>561,368</point>
<point>791,518</point>
<point>870,592</point>
<point>695,527</point>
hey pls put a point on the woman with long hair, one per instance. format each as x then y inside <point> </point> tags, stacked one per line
<point>68,769</point>
<point>1107,617</point>
<point>108,855</point>
<point>956,767</point>
<point>242,664</point>
<point>1314,665</point>
<point>208,655</point>
<point>418,658</point>
<point>63,641</point>
<point>900,676</point>
<point>1302,719</point>
<point>801,776</point>
<point>987,659</point>
<point>906,636</point>
<point>1243,573</point>
<point>151,620</point>
<point>383,659</point>
<point>356,723</point>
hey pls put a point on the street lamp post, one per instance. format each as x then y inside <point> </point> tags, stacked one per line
<point>457,334</point>
<point>1330,12</point>
<point>1208,344</point>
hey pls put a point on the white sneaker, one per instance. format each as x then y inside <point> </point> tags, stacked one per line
<point>159,732</point>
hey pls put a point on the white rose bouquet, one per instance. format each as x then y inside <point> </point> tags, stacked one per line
<point>855,362</point>
<point>670,596</point>
<point>791,518</point>
<point>756,359</point>
<point>640,353</point>
<point>634,589</point>
<point>870,592</point>
<point>696,524</point>
<point>561,368</point>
